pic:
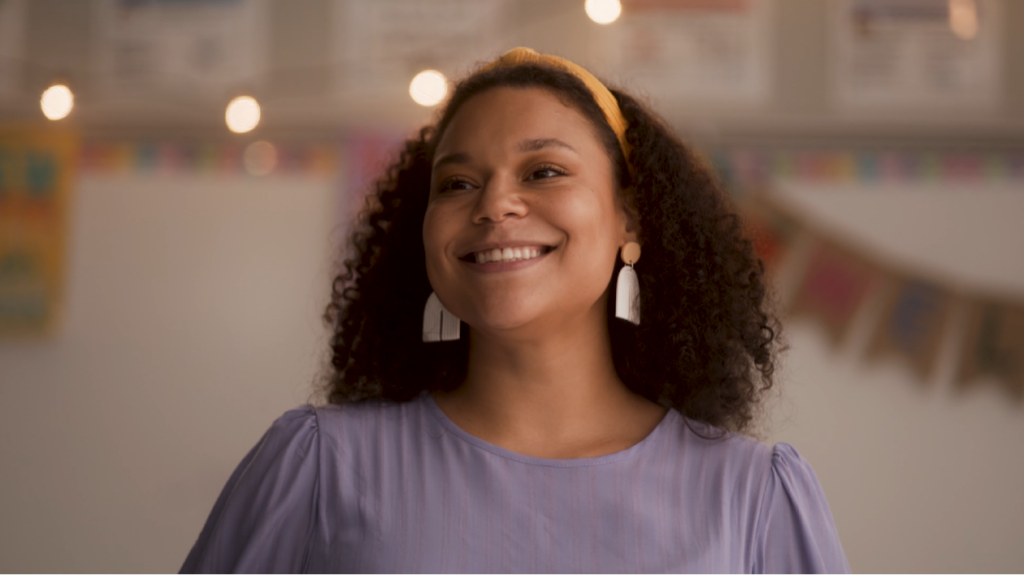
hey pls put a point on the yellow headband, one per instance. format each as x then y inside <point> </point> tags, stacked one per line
<point>602,95</point>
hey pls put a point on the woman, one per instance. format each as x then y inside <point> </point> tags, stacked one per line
<point>505,397</point>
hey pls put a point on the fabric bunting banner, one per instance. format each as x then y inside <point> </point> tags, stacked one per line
<point>823,279</point>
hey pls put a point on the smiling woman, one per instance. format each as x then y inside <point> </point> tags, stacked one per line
<point>553,435</point>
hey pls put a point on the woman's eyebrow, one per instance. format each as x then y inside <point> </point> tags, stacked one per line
<point>524,146</point>
<point>455,158</point>
<point>541,143</point>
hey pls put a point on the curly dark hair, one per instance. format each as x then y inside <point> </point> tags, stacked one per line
<point>706,345</point>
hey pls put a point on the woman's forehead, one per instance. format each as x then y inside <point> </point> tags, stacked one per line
<point>513,117</point>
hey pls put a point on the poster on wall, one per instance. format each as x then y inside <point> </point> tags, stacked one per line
<point>713,50</point>
<point>381,44</point>
<point>205,47</point>
<point>904,54</point>
<point>36,174</point>
<point>12,47</point>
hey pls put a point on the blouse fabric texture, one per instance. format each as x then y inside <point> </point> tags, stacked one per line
<point>398,487</point>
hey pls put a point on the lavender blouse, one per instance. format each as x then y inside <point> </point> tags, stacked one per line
<point>400,488</point>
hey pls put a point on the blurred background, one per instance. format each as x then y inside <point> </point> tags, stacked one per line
<point>177,178</point>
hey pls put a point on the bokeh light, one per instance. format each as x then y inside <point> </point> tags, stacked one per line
<point>243,114</point>
<point>57,102</point>
<point>603,11</point>
<point>963,18</point>
<point>428,88</point>
<point>260,158</point>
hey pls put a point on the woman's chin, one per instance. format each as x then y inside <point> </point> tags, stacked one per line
<point>506,322</point>
<point>518,317</point>
<point>503,325</point>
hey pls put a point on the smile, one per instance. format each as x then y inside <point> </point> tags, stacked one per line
<point>509,254</point>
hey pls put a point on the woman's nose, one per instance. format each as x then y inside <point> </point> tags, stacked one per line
<point>500,198</point>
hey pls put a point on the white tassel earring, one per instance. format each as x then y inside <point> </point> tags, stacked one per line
<point>627,288</point>
<point>439,324</point>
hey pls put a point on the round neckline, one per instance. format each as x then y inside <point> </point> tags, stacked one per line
<point>475,441</point>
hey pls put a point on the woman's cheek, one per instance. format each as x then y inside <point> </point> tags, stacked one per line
<point>433,242</point>
<point>589,218</point>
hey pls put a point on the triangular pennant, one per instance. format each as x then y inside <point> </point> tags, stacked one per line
<point>915,314</point>
<point>834,285</point>
<point>994,345</point>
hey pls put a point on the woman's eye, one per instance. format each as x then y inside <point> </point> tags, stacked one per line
<point>454,185</point>
<point>545,172</point>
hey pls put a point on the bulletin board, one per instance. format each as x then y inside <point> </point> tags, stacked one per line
<point>379,45</point>
<point>710,51</point>
<point>199,48</point>
<point>915,54</point>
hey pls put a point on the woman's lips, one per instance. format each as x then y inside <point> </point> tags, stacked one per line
<point>510,254</point>
<point>508,258</point>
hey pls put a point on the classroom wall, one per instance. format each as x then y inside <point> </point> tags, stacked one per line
<point>192,321</point>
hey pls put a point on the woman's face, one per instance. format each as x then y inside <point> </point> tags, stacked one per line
<point>524,223</point>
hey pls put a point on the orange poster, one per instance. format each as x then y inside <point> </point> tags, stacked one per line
<point>36,174</point>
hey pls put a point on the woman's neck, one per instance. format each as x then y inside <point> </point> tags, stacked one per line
<point>556,395</point>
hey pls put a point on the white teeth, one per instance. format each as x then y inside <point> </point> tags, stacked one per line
<point>507,254</point>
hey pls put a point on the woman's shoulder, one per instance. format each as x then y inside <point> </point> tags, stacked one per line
<point>775,495</point>
<point>735,456</point>
<point>364,419</point>
<point>710,442</point>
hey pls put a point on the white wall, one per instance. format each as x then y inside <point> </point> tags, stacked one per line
<point>192,323</point>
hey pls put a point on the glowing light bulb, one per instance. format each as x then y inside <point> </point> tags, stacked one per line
<point>57,102</point>
<point>243,114</point>
<point>963,18</point>
<point>428,88</point>
<point>260,158</point>
<point>603,11</point>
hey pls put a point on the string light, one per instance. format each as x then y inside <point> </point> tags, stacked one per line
<point>428,88</point>
<point>242,114</point>
<point>603,11</point>
<point>963,18</point>
<point>57,102</point>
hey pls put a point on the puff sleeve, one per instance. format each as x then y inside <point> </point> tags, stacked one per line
<point>795,530</point>
<point>265,517</point>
